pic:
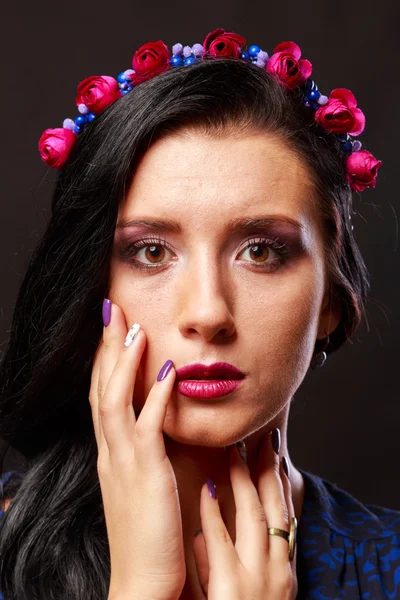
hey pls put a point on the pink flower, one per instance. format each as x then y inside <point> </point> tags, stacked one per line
<point>97,92</point>
<point>362,170</point>
<point>285,63</point>
<point>55,146</point>
<point>341,114</point>
<point>223,43</point>
<point>150,60</point>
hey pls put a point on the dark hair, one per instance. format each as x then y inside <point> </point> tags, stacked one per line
<point>53,541</point>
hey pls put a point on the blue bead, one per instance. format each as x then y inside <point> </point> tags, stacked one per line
<point>309,83</point>
<point>121,77</point>
<point>343,137</point>
<point>129,88</point>
<point>176,61</point>
<point>123,92</point>
<point>77,129</point>
<point>91,117</point>
<point>245,56</point>
<point>254,50</point>
<point>81,120</point>
<point>313,95</point>
<point>347,146</point>
<point>189,60</point>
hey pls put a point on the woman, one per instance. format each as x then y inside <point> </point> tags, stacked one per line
<point>206,213</point>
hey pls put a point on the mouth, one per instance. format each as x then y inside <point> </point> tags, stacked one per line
<point>208,381</point>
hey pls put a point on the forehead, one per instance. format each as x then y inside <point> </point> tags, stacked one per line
<point>189,174</point>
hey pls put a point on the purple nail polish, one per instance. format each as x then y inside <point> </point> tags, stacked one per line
<point>212,490</point>
<point>164,370</point>
<point>106,311</point>
<point>285,466</point>
<point>276,440</point>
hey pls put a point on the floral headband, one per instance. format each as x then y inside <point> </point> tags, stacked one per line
<point>338,114</point>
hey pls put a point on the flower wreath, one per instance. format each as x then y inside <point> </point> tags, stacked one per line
<point>337,113</point>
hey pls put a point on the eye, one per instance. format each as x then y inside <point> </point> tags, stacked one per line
<point>260,250</point>
<point>154,253</point>
<point>148,253</point>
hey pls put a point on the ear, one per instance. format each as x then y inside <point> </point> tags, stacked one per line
<point>330,316</point>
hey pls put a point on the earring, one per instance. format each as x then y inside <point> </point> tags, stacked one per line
<point>319,359</point>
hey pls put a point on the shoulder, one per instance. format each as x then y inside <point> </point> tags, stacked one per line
<point>345,547</point>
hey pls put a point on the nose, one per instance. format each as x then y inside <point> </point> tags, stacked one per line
<point>205,298</point>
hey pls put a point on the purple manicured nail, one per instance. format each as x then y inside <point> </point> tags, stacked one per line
<point>164,370</point>
<point>285,466</point>
<point>106,311</point>
<point>212,490</point>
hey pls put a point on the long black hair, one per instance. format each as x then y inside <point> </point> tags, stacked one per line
<point>53,542</point>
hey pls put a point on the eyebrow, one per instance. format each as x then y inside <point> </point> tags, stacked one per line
<point>232,225</point>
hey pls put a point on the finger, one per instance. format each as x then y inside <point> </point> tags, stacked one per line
<point>113,339</point>
<point>117,416</point>
<point>93,397</point>
<point>148,439</point>
<point>287,488</point>
<point>201,560</point>
<point>221,553</point>
<point>251,523</point>
<point>271,493</point>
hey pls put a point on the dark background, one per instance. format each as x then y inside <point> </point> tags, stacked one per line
<point>345,419</point>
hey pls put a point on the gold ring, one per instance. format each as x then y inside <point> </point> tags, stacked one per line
<point>289,537</point>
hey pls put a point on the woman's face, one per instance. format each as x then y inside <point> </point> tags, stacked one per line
<point>207,281</point>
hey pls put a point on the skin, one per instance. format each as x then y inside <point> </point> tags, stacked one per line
<point>205,300</point>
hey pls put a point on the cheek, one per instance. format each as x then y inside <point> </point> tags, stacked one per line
<point>282,321</point>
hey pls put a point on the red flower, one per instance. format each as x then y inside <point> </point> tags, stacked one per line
<point>341,114</point>
<point>150,60</point>
<point>223,43</point>
<point>362,170</point>
<point>55,145</point>
<point>285,63</point>
<point>97,92</point>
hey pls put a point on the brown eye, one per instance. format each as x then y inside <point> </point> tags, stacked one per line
<point>154,254</point>
<point>259,253</point>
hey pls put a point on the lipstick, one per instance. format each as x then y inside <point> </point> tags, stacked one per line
<point>208,381</point>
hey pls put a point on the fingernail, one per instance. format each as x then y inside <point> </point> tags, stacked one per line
<point>197,532</point>
<point>164,370</point>
<point>276,440</point>
<point>285,466</point>
<point>242,450</point>
<point>212,490</point>
<point>131,334</point>
<point>106,311</point>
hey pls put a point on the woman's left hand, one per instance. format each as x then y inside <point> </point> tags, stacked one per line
<point>258,565</point>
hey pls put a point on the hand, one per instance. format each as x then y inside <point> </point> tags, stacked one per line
<point>138,484</point>
<point>258,565</point>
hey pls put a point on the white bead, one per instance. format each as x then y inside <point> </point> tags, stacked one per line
<point>322,100</point>
<point>260,62</point>
<point>176,49</point>
<point>69,124</point>
<point>197,50</point>
<point>263,56</point>
<point>83,109</point>
<point>187,51</point>
<point>129,72</point>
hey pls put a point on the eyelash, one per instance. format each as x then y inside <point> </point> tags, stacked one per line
<point>282,250</point>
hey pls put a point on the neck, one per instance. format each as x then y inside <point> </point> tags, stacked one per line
<point>194,464</point>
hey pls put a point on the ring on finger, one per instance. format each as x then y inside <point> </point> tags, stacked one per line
<point>290,537</point>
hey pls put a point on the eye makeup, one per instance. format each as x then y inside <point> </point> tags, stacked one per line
<point>282,249</point>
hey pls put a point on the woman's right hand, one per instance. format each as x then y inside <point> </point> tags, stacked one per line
<point>138,484</point>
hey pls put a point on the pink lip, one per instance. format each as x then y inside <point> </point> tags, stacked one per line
<point>208,381</point>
